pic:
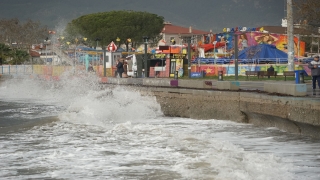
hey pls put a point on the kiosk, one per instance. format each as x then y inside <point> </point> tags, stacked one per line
<point>109,59</point>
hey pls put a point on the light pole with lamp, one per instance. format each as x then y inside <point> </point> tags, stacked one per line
<point>41,47</point>
<point>46,44</point>
<point>145,38</point>
<point>188,39</point>
<point>61,41</point>
<point>75,50</point>
<point>68,44</point>
<point>68,47</point>
<point>118,41</point>
<point>214,51</point>
<point>97,40</point>
<point>84,40</point>
<point>128,41</point>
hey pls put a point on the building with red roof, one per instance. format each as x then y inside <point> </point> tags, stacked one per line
<point>172,34</point>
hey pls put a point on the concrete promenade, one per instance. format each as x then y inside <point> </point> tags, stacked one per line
<point>249,103</point>
<point>249,86</point>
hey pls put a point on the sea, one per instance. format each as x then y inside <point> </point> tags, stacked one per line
<point>77,128</point>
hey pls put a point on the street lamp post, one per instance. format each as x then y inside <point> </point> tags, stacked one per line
<point>75,50</point>
<point>128,41</point>
<point>118,40</point>
<point>97,40</point>
<point>84,39</point>
<point>189,55</point>
<point>84,58</point>
<point>46,44</point>
<point>214,51</point>
<point>145,56</point>
<point>41,47</point>
<point>62,38</point>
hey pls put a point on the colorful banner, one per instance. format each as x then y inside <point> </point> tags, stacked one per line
<point>280,41</point>
<point>247,39</point>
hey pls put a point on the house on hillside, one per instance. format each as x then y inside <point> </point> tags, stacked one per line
<point>173,35</point>
<point>35,57</point>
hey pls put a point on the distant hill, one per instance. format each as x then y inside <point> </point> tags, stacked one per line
<point>200,14</point>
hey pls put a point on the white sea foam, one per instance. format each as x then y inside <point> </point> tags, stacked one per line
<point>128,150</point>
<point>116,133</point>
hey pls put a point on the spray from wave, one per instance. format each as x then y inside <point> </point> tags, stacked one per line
<point>81,98</point>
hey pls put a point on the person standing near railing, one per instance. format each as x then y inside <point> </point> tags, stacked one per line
<point>315,71</point>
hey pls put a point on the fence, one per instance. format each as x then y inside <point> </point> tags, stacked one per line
<point>44,70</point>
<point>16,69</point>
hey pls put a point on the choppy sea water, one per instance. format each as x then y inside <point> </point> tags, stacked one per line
<point>76,128</point>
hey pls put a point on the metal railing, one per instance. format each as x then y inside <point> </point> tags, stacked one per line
<point>16,69</point>
<point>241,61</point>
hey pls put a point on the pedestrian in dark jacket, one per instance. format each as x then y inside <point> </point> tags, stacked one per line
<point>270,71</point>
<point>120,68</point>
<point>315,71</point>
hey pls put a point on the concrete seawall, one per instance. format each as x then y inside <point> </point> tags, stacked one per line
<point>300,115</point>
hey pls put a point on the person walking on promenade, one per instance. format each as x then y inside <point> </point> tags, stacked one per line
<point>125,69</point>
<point>315,71</point>
<point>120,68</point>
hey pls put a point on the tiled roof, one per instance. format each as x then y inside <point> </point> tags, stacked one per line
<point>172,29</point>
<point>34,54</point>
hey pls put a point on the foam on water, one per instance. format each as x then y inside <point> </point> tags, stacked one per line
<point>116,133</point>
<point>144,150</point>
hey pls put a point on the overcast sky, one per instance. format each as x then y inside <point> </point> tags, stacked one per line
<point>200,14</point>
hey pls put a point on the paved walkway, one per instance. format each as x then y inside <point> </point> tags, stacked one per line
<point>245,85</point>
<point>258,85</point>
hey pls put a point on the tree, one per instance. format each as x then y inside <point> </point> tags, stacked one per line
<point>108,26</point>
<point>307,15</point>
<point>23,35</point>
<point>4,52</point>
<point>12,56</point>
<point>19,56</point>
<point>307,12</point>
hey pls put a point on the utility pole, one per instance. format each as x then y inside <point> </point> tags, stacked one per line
<point>236,65</point>
<point>290,36</point>
<point>146,69</point>
<point>189,56</point>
